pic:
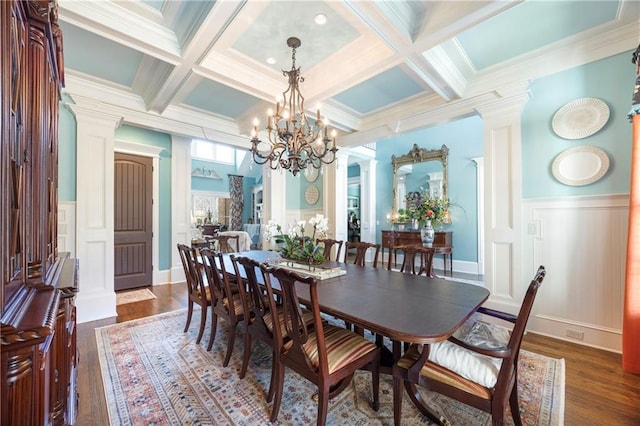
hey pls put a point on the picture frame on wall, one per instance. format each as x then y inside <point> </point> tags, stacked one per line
<point>353,202</point>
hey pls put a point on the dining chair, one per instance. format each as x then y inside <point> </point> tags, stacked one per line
<point>225,243</point>
<point>225,303</point>
<point>328,245</point>
<point>478,365</point>
<point>327,355</point>
<point>259,303</point>
<point>361,251</point>
<point>409,252</point>
<point>199,292</point>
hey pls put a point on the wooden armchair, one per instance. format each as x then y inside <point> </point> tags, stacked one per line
<point>361,251</point>
<point>225,302</point>
<point>328,246</point>
<point>452,367</point>
<point>199,293</point>
<point>327,356</point>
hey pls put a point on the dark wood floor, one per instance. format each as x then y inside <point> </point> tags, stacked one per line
<point>597,391</point>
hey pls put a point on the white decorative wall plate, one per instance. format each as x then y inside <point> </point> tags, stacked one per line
<point>580,165</point>
<point>311,174</point>
<point>580,118</point>
<point>312,194</point>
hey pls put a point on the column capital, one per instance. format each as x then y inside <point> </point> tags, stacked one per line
<point>504,107</point>
<point>86,114</point>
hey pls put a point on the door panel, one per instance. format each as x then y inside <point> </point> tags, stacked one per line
<point>132,221</point>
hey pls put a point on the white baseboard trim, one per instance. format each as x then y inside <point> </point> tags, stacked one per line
<point>164,277</point>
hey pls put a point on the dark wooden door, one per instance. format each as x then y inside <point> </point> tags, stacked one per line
<point>132,221</point>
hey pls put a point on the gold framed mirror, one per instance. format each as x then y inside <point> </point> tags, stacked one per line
<point>419,169</point>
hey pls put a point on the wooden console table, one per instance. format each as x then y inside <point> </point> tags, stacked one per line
<point>443,239</point>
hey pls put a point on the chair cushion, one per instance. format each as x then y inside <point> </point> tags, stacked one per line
<point>436,372</point>
<point>343,347</point>
<point>468,364</point>
<point>485,335</point>
<point>237,304</point>
<point>307,317</point>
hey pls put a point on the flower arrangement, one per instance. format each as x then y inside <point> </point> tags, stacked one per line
<point>294,244</point>
<point>423,208</point>
<point>401,216</point>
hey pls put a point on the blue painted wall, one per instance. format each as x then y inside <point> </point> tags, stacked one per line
<point>296,188</point>
<point>66,155</point>
<point>160,140</point>
<point>464,140</point>
<point>610,80</point>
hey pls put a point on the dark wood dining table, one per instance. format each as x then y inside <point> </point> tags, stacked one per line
<point>403,307</point>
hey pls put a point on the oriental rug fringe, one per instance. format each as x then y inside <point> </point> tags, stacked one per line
<point>154,374</point>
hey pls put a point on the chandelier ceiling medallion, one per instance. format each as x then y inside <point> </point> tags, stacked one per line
<point>293,142</point>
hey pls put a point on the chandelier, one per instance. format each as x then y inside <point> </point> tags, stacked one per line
<point>293,142</point>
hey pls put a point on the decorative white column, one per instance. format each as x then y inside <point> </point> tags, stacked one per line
<point>503,199</point>
<point>274,198</point>
<point>94,212</point>
<point>334,186</point>
<point>180,202</point>
<point>368,202</point>
<point>479,162</point>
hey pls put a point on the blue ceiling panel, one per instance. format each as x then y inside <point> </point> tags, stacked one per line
<point>280,20</point>
<point>189,19</point>
<point>384,89</point>
<point>156,4</point>
<point>105,59</point>
<point>531,25</point>
<point>220,99</point>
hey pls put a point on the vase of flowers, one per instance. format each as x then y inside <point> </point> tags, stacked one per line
<point>294,244</point>
<point>424,208</point>
<point>427,234</point>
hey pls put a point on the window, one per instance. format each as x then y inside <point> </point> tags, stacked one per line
<point>212,151</point>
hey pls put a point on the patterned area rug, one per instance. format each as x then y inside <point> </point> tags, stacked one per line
<point>154,374</point>
<point>134,296</point>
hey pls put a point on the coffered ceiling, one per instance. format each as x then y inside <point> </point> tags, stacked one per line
<point>376,68</point>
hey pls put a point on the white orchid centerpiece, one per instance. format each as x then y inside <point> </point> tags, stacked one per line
<point>294,244</point>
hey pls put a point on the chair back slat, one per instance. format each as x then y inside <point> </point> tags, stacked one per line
<point>255,303</point>
<point>219,280</point>
<point>409,258</point>
<point>225,243</point>
<point>328,245</point>
<point>295,326</point>
<point>193,277</point>
<point>361,252</point>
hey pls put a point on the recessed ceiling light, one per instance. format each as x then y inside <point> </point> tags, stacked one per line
<point>271,61</point>
<point>321,19</point>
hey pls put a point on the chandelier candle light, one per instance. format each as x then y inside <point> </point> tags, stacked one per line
<point>293,142</point>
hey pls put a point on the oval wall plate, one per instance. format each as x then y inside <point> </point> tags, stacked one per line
<point>580,118</point>
<point>311,195</point>
<point>311,174</point>
<point>581,165</point>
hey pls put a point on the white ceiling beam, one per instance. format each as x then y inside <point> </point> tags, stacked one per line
<point>221,14</point>
<point>110,20</point>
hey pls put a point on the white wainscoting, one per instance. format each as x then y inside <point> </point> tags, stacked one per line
<point>582,242</point>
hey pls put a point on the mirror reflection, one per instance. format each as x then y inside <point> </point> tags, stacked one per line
<point>417,171</point>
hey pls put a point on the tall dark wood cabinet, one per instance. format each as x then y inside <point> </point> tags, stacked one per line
<point>37,296</point>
